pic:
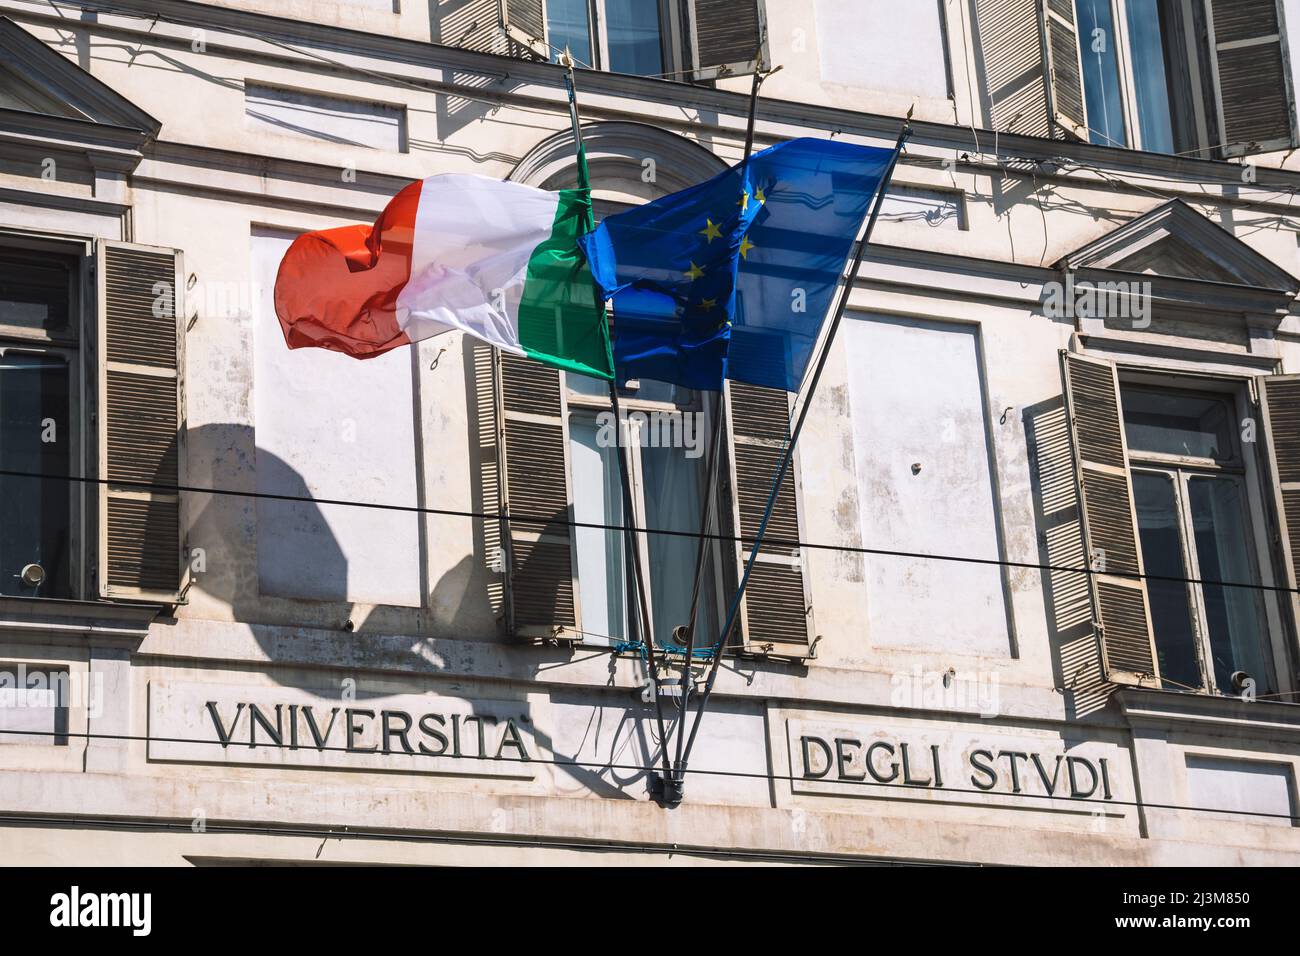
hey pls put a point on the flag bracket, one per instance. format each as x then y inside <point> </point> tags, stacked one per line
<point>668,789</point>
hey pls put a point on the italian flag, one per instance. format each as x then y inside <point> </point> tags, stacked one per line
<point>496,260</point>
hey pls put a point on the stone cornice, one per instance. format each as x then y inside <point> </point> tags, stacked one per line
<point>86,623</point>
<point>108,147</point>
<point>1253,720</point>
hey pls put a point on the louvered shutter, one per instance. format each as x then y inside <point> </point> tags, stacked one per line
<point>506,27</point>
<point>1064,69</point>
<point>1255,101</point>
<point>1009,52</point>
<point>1279,397</point>
<point>1120,608</point>
<point>140,421</point>
<point>524,22</point>
<point>728,38</point>
<point>776,614</point>
<point>534,446</point>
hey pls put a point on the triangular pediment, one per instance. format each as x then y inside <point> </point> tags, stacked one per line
<point>1174,241</point>
<point>35,79</point>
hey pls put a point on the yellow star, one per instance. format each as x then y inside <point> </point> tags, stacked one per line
<point>745,246</point>
<point>743,201</point>
<point>758,194</point>
<point>710,231</point>
<point>708,304</point>
<point>694,272</point>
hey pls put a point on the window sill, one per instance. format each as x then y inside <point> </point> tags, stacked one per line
<point>57,620</point>
<point>1149,707</point>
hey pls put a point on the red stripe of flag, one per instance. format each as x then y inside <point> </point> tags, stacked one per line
<point>337,288</point>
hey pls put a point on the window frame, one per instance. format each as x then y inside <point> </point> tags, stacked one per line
<point>1128,86</point>
<point>1248,470</point>
<point>1124,71</point>
<point>1205,108</point>
<point>671,38</point>
<point>73,344</point>
<point>1206,97</point>
<point>705,404</point>
<point>585,404</point>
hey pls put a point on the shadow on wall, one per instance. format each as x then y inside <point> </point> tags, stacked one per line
<point>1076,654</point>
<point>471,25</point>
<point>227,528</point>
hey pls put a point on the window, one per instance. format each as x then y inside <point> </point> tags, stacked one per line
<point>695,39</point>
<point>1193,520</point>
<point>132,298</point>
<point>1191,77</point>
<point>665,437</point>
<point>1149,26</point>
<point>628,37</point>
<point>556,464</point>
<point>1101,87</point>
<point>37,431</point>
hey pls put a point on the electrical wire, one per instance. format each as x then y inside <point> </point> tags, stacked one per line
<point>525,518</point>
<point>766,776</point>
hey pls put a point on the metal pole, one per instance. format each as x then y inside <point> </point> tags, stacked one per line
<point>710,483</point>
<point>637,604</point>
<point>733,611</point>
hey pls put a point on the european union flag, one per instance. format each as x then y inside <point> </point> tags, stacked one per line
<point>732,278</point>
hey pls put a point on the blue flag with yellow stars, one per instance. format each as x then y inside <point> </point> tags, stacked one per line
<point>732,278</point>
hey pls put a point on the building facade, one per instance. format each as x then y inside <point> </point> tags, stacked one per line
<point>1034,594</point>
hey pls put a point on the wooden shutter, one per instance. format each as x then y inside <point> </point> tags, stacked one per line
<point>1252,75</point>
<point>140,421</point>
<point>541,593</point>
<point>1121,614</point>
<point>1064,69</point>
<point>776,613</point>
<point>1279,398</point>
<point>524,23</point>
<point>728,38</point>
<point>505,27</point>
<point>1009,53</point>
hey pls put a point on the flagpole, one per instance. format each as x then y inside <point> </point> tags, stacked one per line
<point>710,494</point>
<point>637,604</point>
<point>733,610</point>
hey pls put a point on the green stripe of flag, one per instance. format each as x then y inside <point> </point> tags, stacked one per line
<point>561,319</point>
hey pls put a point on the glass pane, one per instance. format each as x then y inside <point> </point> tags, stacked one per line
<point>673,480</point>
<point>650,390</point>
<point>568,24</point>
<point>587,385</point>
<point>1162,554</point>
<point>598,499</point>
<point>1146,41</point>
<point>1222,550</point>
<point>632,27</point>
<point>1172,424</point>
<point>1100,73</point>
<point>647,390</point>
<point>35,435</point>
<point>34,291</point>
